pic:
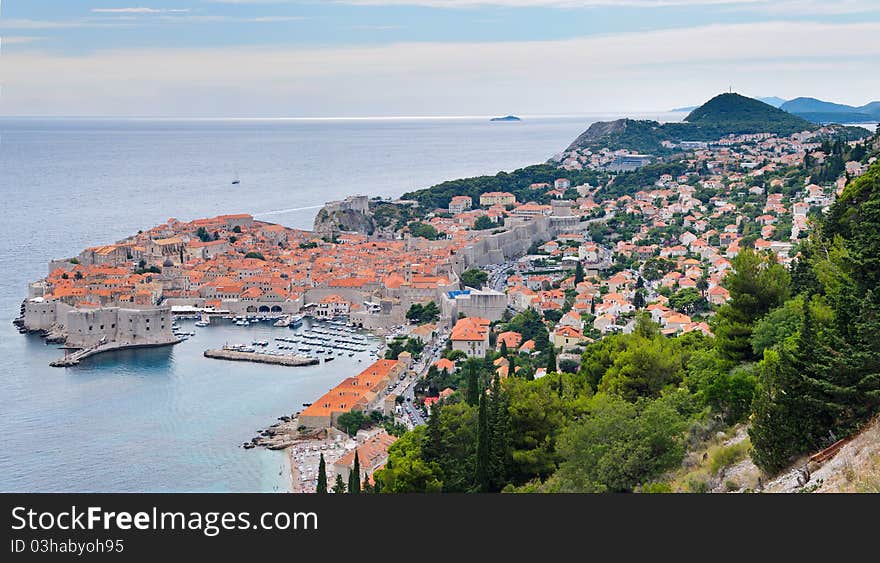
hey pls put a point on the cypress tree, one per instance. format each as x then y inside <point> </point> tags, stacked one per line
<point>551,359</point>
<point>481,475</point>
<point>322,476</point>
<point>473,385</point>
<point>354,477</point>
<point>433,438</point>
<point>499,421</point>
<point>503,350</point>
<point>338,486</point>
<point>578,273</point>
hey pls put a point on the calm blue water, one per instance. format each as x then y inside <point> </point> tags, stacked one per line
<point>168,419</point>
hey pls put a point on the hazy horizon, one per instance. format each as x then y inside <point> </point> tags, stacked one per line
<point>395,58</point>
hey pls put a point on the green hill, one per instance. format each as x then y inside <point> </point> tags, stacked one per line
<point>721,116</point>
<point>733,113</point>
<point>637,135</point>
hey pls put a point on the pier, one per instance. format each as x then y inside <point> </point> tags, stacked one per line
<point>259,357</point>
<point>72,358</point>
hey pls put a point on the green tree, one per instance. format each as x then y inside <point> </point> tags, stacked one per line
<point>352,421</point>
<point>322,476</point>
<point>474,386</point>
<point>423,230</point>
<point>578,273</point>
<point>639,299</point>
<point>433,436</point>
<point>499,422</point>
<point>620,445</point>
<point>716,382</point>
<point>484,437</point>
<point>339,485</point>
<point>256,255</point>
<point>406,471</point>
<point>569,366</point>
<point>354,476</point>
<point>757,284</point>
<point>474,278</point>
<point>553,315</point>
<point>688,301</point>
<point>483,222</point>
<point>551,359</point>
<point>643,369</point>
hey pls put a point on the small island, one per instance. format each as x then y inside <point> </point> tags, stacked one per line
<point>506,118</point>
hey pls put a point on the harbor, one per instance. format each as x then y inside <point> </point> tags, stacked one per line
<point>201,410</point>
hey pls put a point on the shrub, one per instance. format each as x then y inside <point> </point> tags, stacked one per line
<point>725,456</point>
<point>654,488</point>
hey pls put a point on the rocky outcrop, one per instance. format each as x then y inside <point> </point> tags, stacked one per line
<point>349,215</point>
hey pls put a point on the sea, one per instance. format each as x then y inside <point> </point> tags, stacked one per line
<point>168,419</point>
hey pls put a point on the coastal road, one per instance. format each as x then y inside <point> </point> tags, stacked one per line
<point>433,351</point>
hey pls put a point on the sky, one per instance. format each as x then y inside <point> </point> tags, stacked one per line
<point>357,58</point>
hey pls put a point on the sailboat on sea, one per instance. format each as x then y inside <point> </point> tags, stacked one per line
<point>235,180</point>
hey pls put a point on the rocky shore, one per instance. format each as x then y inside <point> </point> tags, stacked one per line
<point>282,434</point>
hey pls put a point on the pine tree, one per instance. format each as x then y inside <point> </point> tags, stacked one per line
<point>322,476</point>
<point>481,475</point>
<point>354,477</point>
<point>339,485</point>
<point>792,413</point>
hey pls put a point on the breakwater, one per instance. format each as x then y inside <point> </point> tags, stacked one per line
<point>260,358</point>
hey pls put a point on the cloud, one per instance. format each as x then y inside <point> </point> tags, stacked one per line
<point>536,3</point>
<point>275,19</point>
<point>815,7</point>
<point>782,7</point>
<point>11,23</point>
<point>138,10</point>
<point>625,71</point>
<point>19,39</point>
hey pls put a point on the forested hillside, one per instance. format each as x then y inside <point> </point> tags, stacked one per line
<point>795,358</point>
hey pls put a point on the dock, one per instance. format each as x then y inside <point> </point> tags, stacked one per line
<point>73,356</point>
<point>261,358</point>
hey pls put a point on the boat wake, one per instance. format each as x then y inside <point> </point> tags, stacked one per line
<point>283,211</point>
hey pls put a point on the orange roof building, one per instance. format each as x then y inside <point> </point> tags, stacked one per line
<point>471,336</point>
<point>353,393</point>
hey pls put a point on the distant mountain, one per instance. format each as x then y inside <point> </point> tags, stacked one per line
<point>802,105</point>
<point>723,115</point>
<point>506,118</point>
<point>687,109</point>
<point>820,111</point>
<point>774,101</point>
